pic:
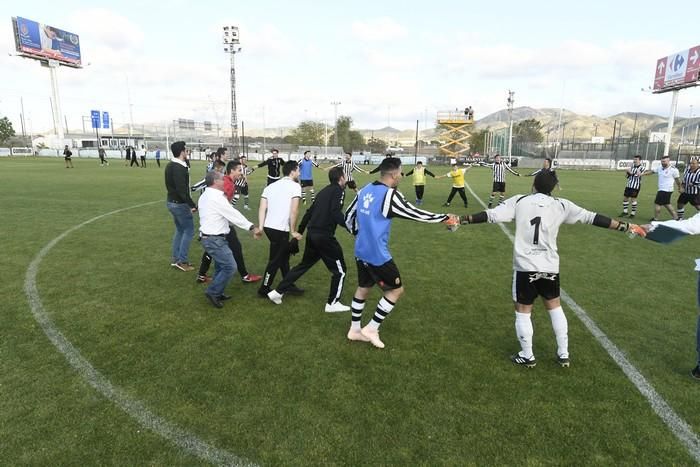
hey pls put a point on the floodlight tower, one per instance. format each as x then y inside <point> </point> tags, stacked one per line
<point>231,46</point>
<point>510,101</point>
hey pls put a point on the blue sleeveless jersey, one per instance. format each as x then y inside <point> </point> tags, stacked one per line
<point>305,167</point>
<point>372,241</point>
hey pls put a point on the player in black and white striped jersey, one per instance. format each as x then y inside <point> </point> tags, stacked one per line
<point>499,179</point>
<point>348,167</point>
<point>634,176</point>
<point>690,188</point>
<point>242,184</point>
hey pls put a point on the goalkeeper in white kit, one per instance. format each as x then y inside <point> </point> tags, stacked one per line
<point>535,259</point>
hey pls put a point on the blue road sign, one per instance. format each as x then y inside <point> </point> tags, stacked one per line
<point>105,119</point>
<point>95,117</point>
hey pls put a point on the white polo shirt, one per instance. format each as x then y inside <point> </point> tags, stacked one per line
<point>666,177</point>
<point>279,197</point>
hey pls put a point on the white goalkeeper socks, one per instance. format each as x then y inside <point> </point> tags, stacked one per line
<point>524,331</point>
<point>561,331</point>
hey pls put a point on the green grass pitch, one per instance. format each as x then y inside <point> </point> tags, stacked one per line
<point>280,385</point>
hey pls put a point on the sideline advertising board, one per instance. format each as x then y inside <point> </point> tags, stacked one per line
<point>44,42</point>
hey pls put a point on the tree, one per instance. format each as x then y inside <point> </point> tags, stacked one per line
<point>529,130</point>
<point>376,145</point>
<point>6,130</point>
<point>309,133</point>
<point>349,139</point>
<point>477,141</point>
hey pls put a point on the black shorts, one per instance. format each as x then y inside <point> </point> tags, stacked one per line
<point>631,192</point>
<point>663,198</point>
<point>351,184</point>
<point>527,286</point>
<point>306,183</point>
<point>386,276</point>
<point>242,190</point>
<point>499,187</point>
<point>686,198</point>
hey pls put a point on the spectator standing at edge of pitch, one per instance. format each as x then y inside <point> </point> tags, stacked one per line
<point>419,172</point>
<point>277,215</point>
<point>215,214</point>
<point>180,205</point>
<point>369,218</point>
<point>322,217</point>
<point>274,164</point>
<point>538,217</point>
<point>158,156</point>
<point>306,178</point>
<point>690,226</point>
<point>668,175</point>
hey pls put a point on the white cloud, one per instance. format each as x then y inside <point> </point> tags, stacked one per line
<point>377,29</point>
<point>106,28</point>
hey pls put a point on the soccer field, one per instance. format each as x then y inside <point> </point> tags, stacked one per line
<point>143,371</point>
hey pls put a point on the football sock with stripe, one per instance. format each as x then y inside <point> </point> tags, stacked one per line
<point>356,308</point>
<point>681,213</point>
<point>561,331</point>
<point>524,331</point>
<point>384,307</point>
<point>490,200</point>
<point>313,194</point>
<point>625,205</point>
<point>634,208</point>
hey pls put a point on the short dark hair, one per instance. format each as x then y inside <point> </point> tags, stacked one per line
<point>211,177</point>
<point>348,154</point>
<point>289,167</point>
<point>419,162</point>
<point>306,152</point>
<point>177,148</point>
<point>545,182</point>
<point>221,151</point>
<point>273,150</point>
<point>334,174</point>
<point>637,157</point>
<point>665,157</point>
<point>219,163</point>
<point>390,164</point>
<point>548,159</point>
<point>232,165</point>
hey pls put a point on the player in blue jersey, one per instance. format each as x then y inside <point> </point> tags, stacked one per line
<point>306,179</point>
<point>369,218</point>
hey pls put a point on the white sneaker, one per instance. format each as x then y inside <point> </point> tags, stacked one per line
<point>246,207</point>
<point>372,335</point>
<point>356,335</point>
<point>336,307</point>
<point>275,296</point>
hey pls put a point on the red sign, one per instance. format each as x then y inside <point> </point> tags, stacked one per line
<point>679,70</point>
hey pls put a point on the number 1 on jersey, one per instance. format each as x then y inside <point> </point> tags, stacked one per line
<point>536,222</point>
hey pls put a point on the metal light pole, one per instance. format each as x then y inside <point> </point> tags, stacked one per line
<point>510,102</point>
<point>335,104</point>
<point>231,46</point>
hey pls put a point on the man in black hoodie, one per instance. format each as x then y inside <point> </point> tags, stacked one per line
<point>180,205</point>
<point>321,219</point>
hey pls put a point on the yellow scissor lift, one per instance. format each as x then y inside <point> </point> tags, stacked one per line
<point>455,133</point>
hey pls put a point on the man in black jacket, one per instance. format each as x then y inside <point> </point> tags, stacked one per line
<point>274,166</point>
<point>180,205</point>
<point>321,219</point>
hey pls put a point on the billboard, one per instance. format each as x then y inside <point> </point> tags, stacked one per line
<point>45,42</point>
<point>679,70</point>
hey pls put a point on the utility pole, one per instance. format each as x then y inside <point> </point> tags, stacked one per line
<point>335,104</point>
<point>510,102</point>
<point>231,46</point>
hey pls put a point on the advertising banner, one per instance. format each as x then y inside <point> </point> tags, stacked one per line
<point>46,42</point>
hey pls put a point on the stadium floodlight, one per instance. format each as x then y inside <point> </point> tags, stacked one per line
<point>510,101</point>
<point>231,41</point>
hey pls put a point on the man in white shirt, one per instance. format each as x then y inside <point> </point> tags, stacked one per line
<point>215,214</point>
<point>535,258</point>
<point>279,208</point>
<point>690,226</point>
<point>667,177</point>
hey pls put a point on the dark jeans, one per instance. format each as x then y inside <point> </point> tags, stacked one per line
<point>279,256</point>
<point>325,248</point>
<point>419,191</point>
<point>461,194</point>
<point>224,266</point>
<point>236,248</point>
<point>184,230</point>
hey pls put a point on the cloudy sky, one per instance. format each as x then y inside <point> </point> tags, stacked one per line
<point>384,61</point>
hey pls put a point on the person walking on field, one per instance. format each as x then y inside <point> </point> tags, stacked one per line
<point>134,158</point>
<point>101,152</point>
<point>144,151</point>
<point>67,154</point>
<point>419,172</point>
<point>180,205</point>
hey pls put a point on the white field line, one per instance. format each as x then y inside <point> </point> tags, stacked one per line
<point>133,407</point>
<point>673,421</point>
